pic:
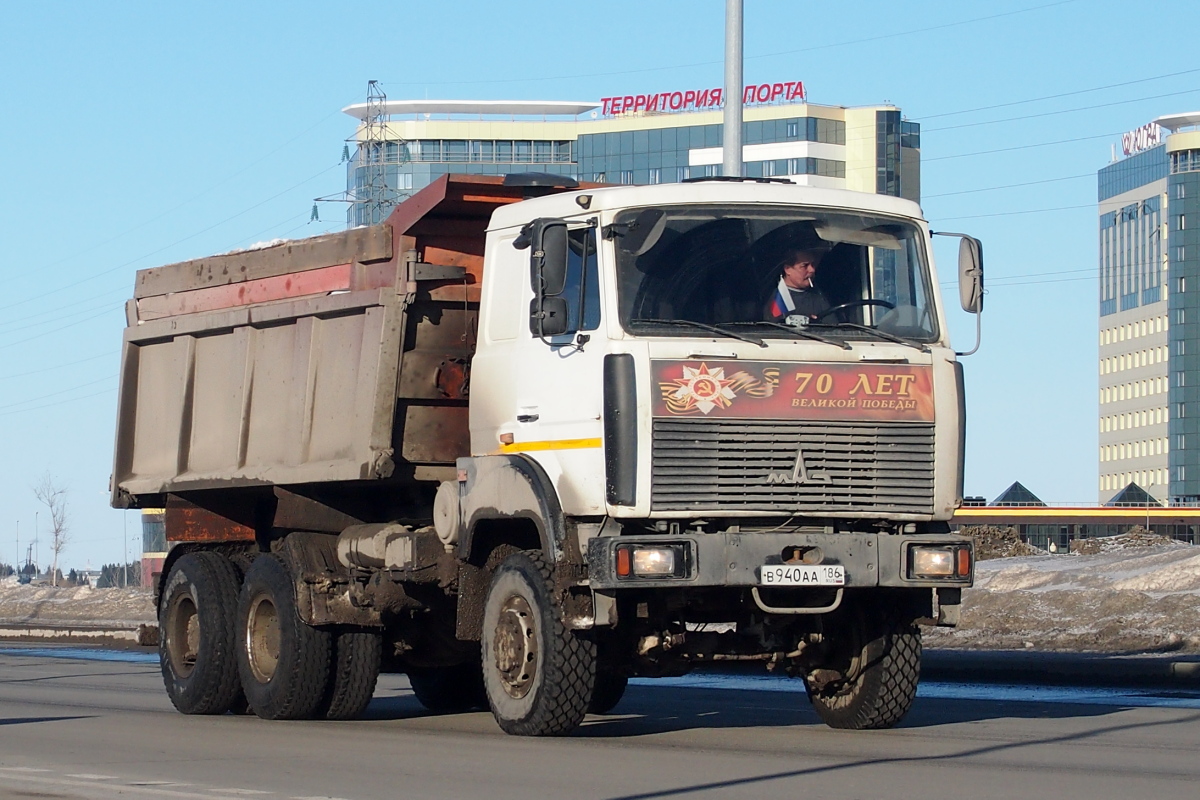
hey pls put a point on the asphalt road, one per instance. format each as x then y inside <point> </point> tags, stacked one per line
<point>81,728</point>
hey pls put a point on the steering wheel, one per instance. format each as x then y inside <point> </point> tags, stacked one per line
<point>852,304</point>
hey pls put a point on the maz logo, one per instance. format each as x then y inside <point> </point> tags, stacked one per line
<point>799,473</point>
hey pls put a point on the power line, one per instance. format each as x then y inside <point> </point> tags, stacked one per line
<point>60,318</point>
<point>59,403</point>
<point>172,244</point>
<point>58,309</point>
<point>1011,185</point>
<point>1092,107</point>
<point>77,253</point>
<point>59,328</point>
<point>56,394</point>
<point>1023,147</point>
<point>1061,94</point>
<point>831,45</point>
<point>1014,213</point>
<point>57,366</point>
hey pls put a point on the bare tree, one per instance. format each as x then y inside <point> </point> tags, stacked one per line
<point>53,496</point>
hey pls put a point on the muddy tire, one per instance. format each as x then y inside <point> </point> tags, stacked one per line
<point>284,664</point>
<point>610,688</point>
<point>882,663</point>
<point>197,644</point>
<point>354,670</point>
<point>449,690</point>
<point>539,676</point>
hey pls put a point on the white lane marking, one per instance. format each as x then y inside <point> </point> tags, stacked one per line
<point>141,788</point>
<point>317,797</point>
<point>87,776</point>
<point>242,791</point>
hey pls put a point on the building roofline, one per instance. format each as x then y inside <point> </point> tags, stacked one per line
<point>478,107</point>
<point>1174,122</point>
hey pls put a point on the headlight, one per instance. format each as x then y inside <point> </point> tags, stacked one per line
<point>653,561</point>
<point>939,562</point>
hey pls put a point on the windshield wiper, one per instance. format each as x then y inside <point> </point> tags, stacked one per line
<point>796,331</point>
<point>702,326</point>
<point>868,329</point>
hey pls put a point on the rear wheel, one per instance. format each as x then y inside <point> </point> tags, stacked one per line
<point>539,675</point>
<point>871,679</point>
<point>610,688</point>
<point>197,643</point>
<point>354,671</point>
<point>284,663</point>
<point>449,689</point>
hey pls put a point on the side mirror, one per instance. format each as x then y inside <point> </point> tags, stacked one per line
<point>548,316</point>
<point>548,261</point>
<point>970,274</point>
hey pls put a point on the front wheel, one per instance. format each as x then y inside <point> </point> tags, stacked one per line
<point>870,681</point>
<point>538,674</point>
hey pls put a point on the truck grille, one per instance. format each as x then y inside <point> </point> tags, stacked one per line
<point>751,465</point>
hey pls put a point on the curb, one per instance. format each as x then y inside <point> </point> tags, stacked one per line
<point>143,634</point>
<point>1061,669</point>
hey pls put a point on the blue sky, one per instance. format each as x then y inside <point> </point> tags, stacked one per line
<point>138,134</point>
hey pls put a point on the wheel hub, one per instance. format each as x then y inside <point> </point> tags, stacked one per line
<point>183,636</point>
<point>515,647</point>
<point>262,639</point>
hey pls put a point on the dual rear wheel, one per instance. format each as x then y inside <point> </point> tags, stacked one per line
<point>229,642</point>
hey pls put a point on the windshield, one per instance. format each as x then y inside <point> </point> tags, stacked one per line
<point>772,271</point>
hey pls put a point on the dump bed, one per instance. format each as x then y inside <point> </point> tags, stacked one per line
<point>337,358</point>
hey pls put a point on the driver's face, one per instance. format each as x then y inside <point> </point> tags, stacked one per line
<point>799,274</point>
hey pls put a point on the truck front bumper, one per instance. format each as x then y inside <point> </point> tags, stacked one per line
<point>736,559</point>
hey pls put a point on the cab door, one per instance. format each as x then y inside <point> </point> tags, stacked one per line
<point>559,392</point>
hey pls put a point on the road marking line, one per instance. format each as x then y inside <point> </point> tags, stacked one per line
<point>143,788</point>
<point>242,791</point>
<point>87,776</point>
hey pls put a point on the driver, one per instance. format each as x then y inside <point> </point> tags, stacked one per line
<point>796,293</point>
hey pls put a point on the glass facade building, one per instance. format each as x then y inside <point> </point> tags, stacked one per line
<point>1149,259</point>
<point>866,149</point>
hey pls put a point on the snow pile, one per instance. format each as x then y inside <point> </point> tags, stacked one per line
<point>1125,599</point>
<point>1135,537</point>
<point>992,541</point>
<point>44,604</point>
<point>256,246</point>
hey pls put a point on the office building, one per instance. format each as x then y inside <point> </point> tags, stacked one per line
<point>1149,252</point>
<point>402,145</point>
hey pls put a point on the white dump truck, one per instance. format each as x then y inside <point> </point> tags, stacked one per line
<point>527,439</point>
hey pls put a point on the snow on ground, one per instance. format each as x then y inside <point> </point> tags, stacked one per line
<point>1122,600</point>
<point>42,603</point>
<point>1128,597</point>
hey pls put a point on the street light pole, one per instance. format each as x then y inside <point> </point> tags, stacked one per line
<point>1149,497</point>
<point>732,132</point>
<point>125,543</point>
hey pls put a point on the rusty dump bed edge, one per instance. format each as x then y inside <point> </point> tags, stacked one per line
<point>337,358</point>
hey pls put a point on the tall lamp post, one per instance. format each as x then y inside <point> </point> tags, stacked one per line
<point>731,155</point>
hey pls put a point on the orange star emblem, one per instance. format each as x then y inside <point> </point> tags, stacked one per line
<point>703,389</point>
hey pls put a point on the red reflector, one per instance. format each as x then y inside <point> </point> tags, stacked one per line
<point>624,562</point>
<point>964,562</point>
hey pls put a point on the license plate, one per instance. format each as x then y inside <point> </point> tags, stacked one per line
<point>795,575</point>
